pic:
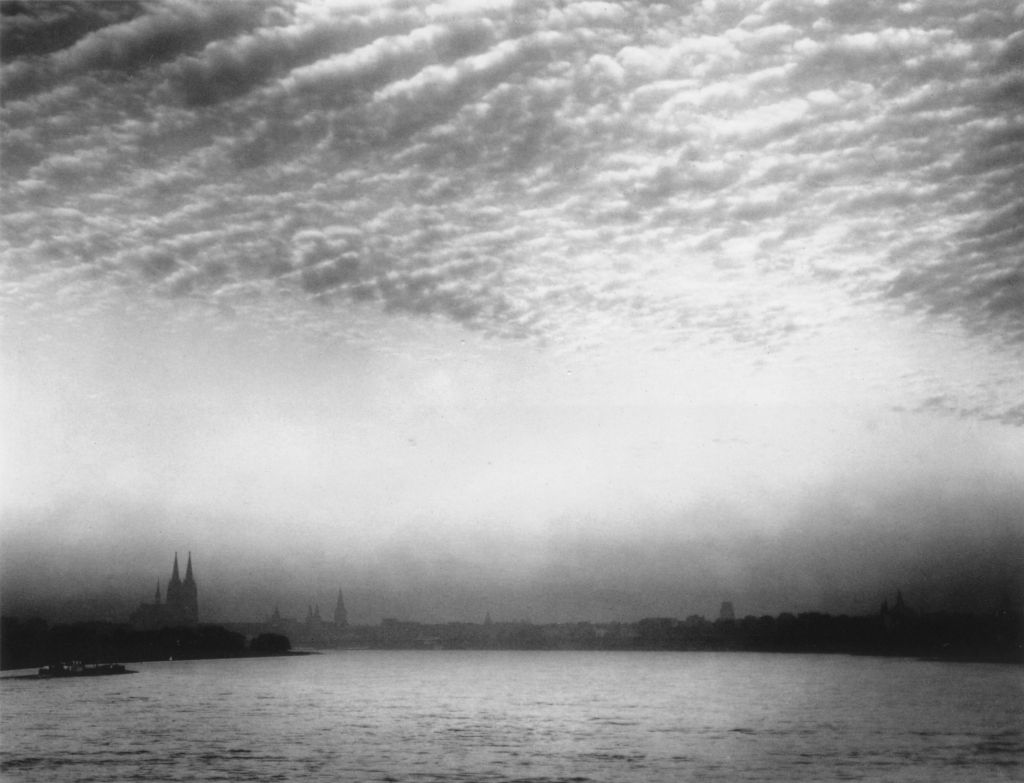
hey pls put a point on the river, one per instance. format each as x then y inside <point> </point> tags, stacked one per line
<point>521,716</point>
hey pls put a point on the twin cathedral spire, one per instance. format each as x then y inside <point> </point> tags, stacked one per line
<point>180,605</point>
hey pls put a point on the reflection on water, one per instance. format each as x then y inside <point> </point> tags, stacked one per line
<point>516,716</point>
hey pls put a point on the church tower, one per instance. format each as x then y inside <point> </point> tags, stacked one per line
<point>190,594</point>
<point>340,614</point>
<point>180,602</point>
<point>174,586</point>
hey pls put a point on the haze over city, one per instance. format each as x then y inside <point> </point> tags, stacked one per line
<point>551,310</point>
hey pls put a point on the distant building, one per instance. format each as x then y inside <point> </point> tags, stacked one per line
<point>180,606</point>
<point>726,612</point>
<point>314,631</point>
<point>898,617</point>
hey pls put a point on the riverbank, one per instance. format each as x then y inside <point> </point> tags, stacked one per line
<point>30,644</point>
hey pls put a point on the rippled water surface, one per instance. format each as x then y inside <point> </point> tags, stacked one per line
<point>517,716</point>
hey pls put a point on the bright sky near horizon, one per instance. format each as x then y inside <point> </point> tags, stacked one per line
<point>468,299</point>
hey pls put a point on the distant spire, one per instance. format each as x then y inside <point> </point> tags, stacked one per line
<point>190,594</point>
<point>156,600</point>
<point>340,613</point>
<point>175,578</point>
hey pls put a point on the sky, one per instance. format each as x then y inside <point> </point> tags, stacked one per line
<point>552,310</point>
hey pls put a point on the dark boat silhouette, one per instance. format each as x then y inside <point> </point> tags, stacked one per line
<point>79,669</point>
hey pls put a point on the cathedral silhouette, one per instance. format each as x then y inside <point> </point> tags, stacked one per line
<point>180,606</point>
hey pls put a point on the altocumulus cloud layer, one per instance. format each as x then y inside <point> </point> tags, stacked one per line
<point>521,167</point>
<point>754,177</point>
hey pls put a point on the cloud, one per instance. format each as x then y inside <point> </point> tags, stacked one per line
<point>389,57</point>
<point>518,169</point>
<point>230,68</point>
<point>37,29</point>
<point>161,34</point>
